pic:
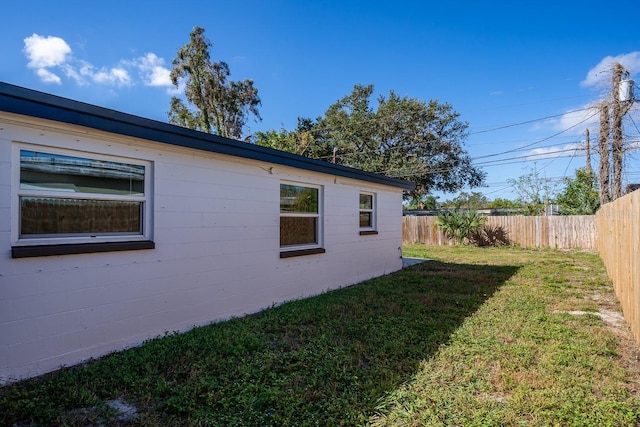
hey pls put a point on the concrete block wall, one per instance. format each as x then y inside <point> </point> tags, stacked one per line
<point>216,229</point>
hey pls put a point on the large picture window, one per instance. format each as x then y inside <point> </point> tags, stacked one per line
<point>69,197</point>
<point>300,216</point>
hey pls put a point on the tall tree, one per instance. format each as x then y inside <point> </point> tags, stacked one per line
<point>534,191</point>
<point>221,105</point>
<point>404,137</point>
<point>580,195</point>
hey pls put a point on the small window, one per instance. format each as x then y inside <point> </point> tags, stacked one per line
<point>300,222</point>
<point>367,213</point>
<point>65,197</point>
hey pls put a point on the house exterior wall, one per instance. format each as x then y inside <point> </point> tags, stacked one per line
<point>216,231</point>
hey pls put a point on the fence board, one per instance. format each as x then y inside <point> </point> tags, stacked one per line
<point>618,225</point>
<point>561,232</point>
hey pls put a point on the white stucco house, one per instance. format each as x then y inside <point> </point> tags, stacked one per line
<point>115,229</point>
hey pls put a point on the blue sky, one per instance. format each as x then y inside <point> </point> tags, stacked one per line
<point>499,64</point>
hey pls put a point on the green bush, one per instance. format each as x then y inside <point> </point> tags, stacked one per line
<point>459,225</point>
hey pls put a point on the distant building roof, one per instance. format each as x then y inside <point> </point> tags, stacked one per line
<point>632,187</point>
<point>28,102</point>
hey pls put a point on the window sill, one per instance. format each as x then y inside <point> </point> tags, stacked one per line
<point>368,232</point>
<point>78,248</point>
<point>302,252</point>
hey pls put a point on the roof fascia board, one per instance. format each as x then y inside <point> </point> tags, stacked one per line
<point>28,102</point>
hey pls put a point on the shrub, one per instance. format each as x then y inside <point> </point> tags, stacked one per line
<point>490,235</point>
<point>459,225</point>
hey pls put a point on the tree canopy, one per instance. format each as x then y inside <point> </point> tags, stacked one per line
<point>221,105</point>
<point>403,137</point>
<point>580,195</point>
<point>501,203</point>
<point>534,191</point>
<point>298,142</point>
<point>426,201</point>
<point>464,200</point>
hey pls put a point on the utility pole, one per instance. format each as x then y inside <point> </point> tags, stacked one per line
<point>616,131</point>
<point>603,150</point>
<point>588,148</point>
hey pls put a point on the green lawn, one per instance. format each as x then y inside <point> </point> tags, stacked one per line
<point>493,336</point>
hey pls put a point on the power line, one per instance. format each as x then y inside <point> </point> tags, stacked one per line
<point>477,132</point>
<point>634,123</point>
<point>529,121</point>
<point>515,150</point>
<point>538,141</point>
<point>538,156</point>
<point>410,172</point>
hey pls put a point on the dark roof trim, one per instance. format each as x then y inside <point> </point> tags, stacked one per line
<point>28,102</point>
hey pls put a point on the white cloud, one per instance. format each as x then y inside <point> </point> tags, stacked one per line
<point>47,76</point>
<point>587,116</point>
<point>44,52</point>
<point>49,54</point>
<point>575,121</point>
<point>572,122</point>
<point>74,73</point>
<point>113,76</point>
<point>159,77</point>
<point>553,152</point>
<point>153,71</point>
<point>600,75</point>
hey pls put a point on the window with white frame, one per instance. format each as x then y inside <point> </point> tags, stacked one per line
<point>65,196</point>
<point>300,216</point>
<point>367,212</point>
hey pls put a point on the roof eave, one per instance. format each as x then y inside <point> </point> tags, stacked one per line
<point>28,102</point>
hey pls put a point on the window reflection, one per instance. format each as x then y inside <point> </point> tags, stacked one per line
<point>53,172</point>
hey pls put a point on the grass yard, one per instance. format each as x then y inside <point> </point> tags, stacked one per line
<point>493,336</point>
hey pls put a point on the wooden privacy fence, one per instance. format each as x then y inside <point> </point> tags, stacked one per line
<point>618,225</point>
<point>561,232</point>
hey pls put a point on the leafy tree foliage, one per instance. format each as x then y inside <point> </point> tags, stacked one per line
<point>221,105</point>
<point>464,200</point>
<point>298,142</point>
<point>426,201</point>
<point>580,196</point>
<point>500,203</point>
<point>535,192</point>
<point>460,225</point>
<point>403,137</point>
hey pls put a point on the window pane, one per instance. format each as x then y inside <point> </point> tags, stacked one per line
<point>366,201</point>
<point>39,215</point>
<point>45,171</point>
<point>365,219</point>
<point>298,199</point>
<point>298,230</point>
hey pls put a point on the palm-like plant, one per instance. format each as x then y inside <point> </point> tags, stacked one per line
<point>460,225</point>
